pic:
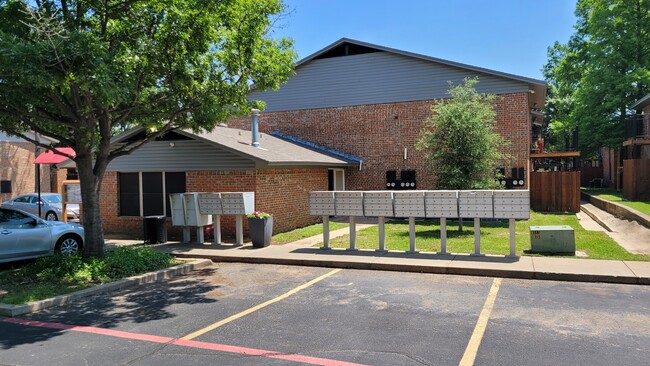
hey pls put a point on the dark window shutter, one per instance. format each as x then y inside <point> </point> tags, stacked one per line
<point>174,183</point>
<point>129,189</point>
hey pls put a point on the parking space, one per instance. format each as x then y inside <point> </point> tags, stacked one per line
<point>280,315</point>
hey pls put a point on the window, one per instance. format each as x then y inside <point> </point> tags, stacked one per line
<point>147,193</point>
<point>5,186</point>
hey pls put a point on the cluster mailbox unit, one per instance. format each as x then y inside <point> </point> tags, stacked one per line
<point>502,204</point>
<point>185,212</point>
<point>379,204</point>
<point>199,210</point>
<point>227,203</point>
<point>443,205</point>
<point>409,204</point>
<point>476,205</point>
<point>349,203</point>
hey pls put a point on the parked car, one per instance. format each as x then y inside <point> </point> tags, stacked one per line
<point>51,206</point>
<point>25,236</point>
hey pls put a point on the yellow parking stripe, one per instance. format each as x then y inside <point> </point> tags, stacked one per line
<point>258,307</point>
<point>481,324</point>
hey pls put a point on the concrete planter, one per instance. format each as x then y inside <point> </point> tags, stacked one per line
<point>260,231</point>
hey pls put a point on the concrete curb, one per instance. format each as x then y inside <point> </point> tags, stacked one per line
<point>617,209</point>
<point>418,268</point>
<point>163,274</point>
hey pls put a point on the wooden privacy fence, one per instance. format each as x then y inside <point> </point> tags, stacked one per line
<point>636,179</point>
<point>502,204</point>
<point>555,191</point>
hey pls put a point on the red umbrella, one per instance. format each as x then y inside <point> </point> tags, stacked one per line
<point>50,157</point>
<point>53,157</point>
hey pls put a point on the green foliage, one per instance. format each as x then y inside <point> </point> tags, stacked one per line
<point>80,71</point>
<point>59,274</point>
<point>613,195</point>
<point>459,139</point>
<point>600,72</point>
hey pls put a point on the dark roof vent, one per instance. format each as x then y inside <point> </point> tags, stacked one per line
<point>347,49</point>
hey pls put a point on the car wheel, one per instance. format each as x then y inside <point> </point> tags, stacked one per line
<point>68,245</point>
<point>51,216</point>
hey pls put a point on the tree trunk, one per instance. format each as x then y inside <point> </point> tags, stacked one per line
<point>91,219</point>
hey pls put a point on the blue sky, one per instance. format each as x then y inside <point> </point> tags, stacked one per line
<point>504,35</point>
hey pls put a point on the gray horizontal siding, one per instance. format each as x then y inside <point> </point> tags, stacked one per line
<point>374,78</point>
<point>186,155</point>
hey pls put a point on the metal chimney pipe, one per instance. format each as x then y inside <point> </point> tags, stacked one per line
<point>255,128</point>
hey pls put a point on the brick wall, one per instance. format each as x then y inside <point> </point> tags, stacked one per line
<point>17,166</point>
<point>380,134</point>
<point>282,192</point>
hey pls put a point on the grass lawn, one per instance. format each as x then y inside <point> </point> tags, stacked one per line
<point>494,237</point>
<point>617,196</point>
<point>58,275</point>
<point>304,232</point>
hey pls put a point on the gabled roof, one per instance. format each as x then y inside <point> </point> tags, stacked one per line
<point>538,87</point>
<point>273,151</point>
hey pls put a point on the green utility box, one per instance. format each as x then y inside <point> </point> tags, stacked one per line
<point>552,240</point>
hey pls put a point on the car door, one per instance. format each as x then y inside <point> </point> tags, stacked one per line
<point>26,203</point>
<point>21,236</point>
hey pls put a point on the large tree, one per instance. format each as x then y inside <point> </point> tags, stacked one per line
<point>459,139</point>
<point>78,70</point>
<point>601,71</point>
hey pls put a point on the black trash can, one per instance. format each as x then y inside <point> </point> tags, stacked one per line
<point>155,229</point>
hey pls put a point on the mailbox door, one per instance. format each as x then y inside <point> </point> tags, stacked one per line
<point>210,204</point>
<point>409,204</point>
<point>321,203</point>
<point>348,203</point>
<point>475,204</point>
<point>441,204</point>
<point>177,209</point>
<point>512,204</point>
<point>379,203</point>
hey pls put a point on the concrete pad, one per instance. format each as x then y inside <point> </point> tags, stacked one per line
<point>587,270</point>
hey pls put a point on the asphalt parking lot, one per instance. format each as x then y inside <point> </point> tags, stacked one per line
<point>254,314</point>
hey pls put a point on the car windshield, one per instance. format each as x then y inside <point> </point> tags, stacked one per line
<point>55,198</point>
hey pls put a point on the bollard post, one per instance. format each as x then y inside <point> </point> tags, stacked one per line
<point>326,232</point>
<point>200,237</point>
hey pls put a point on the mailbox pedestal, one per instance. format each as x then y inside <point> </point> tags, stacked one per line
<point>380,204</point>
<point>321,203</point>
<point>349,203</point>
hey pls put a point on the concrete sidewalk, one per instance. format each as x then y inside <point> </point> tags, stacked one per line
<point>304,253</point>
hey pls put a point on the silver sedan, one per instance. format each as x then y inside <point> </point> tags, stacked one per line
<point>25,236</point>
<point>51,206</point>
